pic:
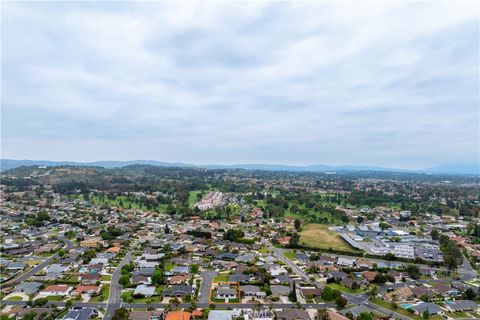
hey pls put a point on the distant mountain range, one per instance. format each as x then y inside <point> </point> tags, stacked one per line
<point>458,168</point>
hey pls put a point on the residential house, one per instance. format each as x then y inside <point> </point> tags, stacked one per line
<point>178,279</point>
<point>279,291</point>
<point>401,294</point>
<point>293,314</point>
<point>431,308</point>
<point>356,311</point>
<point>178,290</point>
<point>89,278</point>
<point>178,315</point>
<point>144,290</point>
<point>461,305</point>
<point>240,278</point>
<point>180,270</point>
<point>446,290</point>
<point>226,292</point>
<point>56,290</point>
<point>264,314</point>
<point>369,275</point>
<point>333,315</point>
<point>86,289</point>
<point>307,292</point>
<point>252,291</point>
<point>422,291</point>
<point>81,314</point>
<point>223,314</point>
<point>144,272</point>
<point>346,262</point>
<point>41,313</point>
<point>102,261</point>
<point>90,243</point>
<point>139,279</point>
<point>28,287</point>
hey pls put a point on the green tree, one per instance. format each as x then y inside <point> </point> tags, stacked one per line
<point>327,293</point>
<point>470,294</point>
<point>292,296</point>
<point>372,293</point>
<point>29,316</point>
<point>157,277</point>
<point>124,280</point>
<point>294,240</point>
<point>365,316</point>
<point>380,278</point>
<point>298,224</point>
<point>194,268</point>
<point>340,302</point>
<point>426,314</point>
<point>68,304</point>
<point>120,314</point>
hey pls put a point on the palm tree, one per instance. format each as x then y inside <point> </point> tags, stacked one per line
<point>373,292</point>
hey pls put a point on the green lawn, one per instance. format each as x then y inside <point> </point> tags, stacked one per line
<point>15,298</point>
<point>457,315</point>
<point>222,277</point>
<point>264,250</point>
<point>55,298</point>
<point>120,201</point>
<point>106,277</point>
<point>103,296</point>
<point>192,197</point>
<point>169,265</point>
<point>345,289</point>
<point>289,254</point>
<point>319,236</point>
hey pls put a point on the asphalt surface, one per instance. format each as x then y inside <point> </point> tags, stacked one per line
<point>207,279</point>
<point>115,299</point>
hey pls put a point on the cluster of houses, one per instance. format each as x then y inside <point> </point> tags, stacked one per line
<point>241,272</point>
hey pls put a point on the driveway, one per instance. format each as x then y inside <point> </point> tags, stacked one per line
<point>207,279</point>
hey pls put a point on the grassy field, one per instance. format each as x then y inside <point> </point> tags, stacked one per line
<point>169,265</point>
<point>15,298</point>
<point>120,201</point>
<point>103,296</point>
<point>222,277</point>
<point>106,277</point>
<point>345,289</point>
<point>289,254</point>
<point>264,250</point>
<point>318,236</point>
<point>192,198</point>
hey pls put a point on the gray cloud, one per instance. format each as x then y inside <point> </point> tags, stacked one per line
<point>392,84</point>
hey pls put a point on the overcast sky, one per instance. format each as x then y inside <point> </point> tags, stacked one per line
<point>392,84</point>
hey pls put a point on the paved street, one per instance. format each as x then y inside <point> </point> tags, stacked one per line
<point>115,300</point>
<point>207,279</point>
